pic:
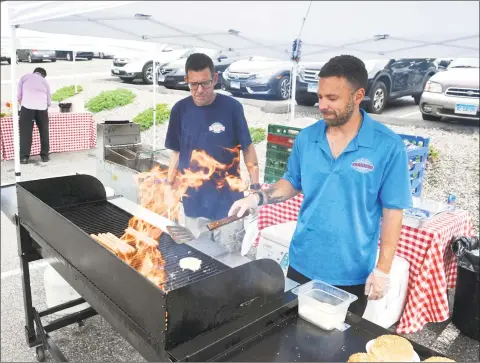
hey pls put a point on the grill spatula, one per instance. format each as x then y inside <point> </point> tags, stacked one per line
<point>182,234</point>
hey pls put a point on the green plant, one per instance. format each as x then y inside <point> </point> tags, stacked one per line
<point>258,134</point>
<point>433,153</point>
<point>145,118</point>
<point>65,92</point>
<point>108,100</point>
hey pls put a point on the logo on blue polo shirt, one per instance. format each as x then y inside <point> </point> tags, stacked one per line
<point>363,165</point>
<point>216,128</point>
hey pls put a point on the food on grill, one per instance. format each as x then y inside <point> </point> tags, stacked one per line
<point>392,348</point>
<point>142,237</point>
<point>362,357</point>
<point>190,263</point>
<point>114,244</point>
<point>438,359</point>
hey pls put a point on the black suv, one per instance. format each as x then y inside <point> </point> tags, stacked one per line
<point>388,79</point>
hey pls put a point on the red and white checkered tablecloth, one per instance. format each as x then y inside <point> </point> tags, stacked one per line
<point>68,131</point>
<point>433,266</point>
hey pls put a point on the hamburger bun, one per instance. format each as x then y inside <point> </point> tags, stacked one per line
<point>362,357</point>
<point>438,359</point>
<point>392,348</point>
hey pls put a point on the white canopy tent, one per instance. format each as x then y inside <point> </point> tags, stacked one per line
<point>367,29</point>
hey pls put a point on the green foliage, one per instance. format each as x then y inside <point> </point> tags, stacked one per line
<point>65,92</point>
<point>258,134</point>
<point>145,118</point>
<point>433,153</point>
<point>108,100</point>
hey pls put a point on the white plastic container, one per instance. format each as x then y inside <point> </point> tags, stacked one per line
<point>58,291</point>
<point>433,207</point>
<point>389,309</point>
<point>274,243</point>
<point>322,304</point>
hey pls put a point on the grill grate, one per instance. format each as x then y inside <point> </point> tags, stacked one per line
<point>104,217</point>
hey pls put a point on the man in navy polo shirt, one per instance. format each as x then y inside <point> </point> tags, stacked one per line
<point>353,172</point>
<point>213,123</point>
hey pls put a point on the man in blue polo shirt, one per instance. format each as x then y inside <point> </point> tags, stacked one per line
<point>353,172</point>
<point>215,124</point>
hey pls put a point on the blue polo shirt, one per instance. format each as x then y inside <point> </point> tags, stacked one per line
<point>214,129</point>
<point>338,224</point>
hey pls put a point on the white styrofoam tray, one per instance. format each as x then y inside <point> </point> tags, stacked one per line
<point>433,207</point>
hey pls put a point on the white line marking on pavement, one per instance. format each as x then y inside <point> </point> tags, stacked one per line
<point>409,114</point>
<point>446,338</point>
<point>69,76</point>
<point>33,266</point>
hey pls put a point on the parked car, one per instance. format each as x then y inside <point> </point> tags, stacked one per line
<point>258,76</point>
<point>140,65</point>
<point>68,55</point>
<point>34,55</point>
<point>388,79</point>
<point>172,74</point>
<point>103,55</point>
<point>5,55</point>
<point>453,93</point>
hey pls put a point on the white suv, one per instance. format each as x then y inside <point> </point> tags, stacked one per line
<point>140,64</point>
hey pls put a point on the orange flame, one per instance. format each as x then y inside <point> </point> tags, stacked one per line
<point>147,259</point>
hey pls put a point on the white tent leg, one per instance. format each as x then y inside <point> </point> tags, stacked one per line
<point>154,82</point>
<point>74,55</point>
<point>293,79</point>
<point>13,77</point>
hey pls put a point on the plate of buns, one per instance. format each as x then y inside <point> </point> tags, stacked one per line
<point>391,348</point>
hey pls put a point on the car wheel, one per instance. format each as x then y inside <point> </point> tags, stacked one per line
<point>283,88</point>
<point>148,73</point>
<point>378,98</point>
<point>309,101</point>
<point>30,59</point>
<point>53,60</point>
<point>430,117</point>
<point>89,58</point>
<point>9,60</point>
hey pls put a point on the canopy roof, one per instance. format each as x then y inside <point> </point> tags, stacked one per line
<point>368,29</point>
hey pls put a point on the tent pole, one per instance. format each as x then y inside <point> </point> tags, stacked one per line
<point>293,80</point>
<point>13,77</point>
<point>74,55</point>
<point>154,82</point>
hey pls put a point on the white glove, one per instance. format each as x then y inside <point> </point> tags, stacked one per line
<point>244,204</point>
<point>377,285</point>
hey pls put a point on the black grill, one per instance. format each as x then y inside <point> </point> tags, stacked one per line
<point>104,217</point>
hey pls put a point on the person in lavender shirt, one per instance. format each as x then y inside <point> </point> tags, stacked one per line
<point>35,97</point>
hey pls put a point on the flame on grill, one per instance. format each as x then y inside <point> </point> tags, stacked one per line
<point>145,257</point>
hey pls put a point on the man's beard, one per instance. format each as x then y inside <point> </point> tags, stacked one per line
<point>343,117</point>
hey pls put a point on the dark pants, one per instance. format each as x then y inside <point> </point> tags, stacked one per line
<point>27,116</point>
<point>357,307</point>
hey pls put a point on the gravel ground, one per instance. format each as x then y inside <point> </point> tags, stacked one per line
<point>455,171</point>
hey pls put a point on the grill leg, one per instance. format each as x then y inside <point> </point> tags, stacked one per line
<point>46,342</point>
<point>24,241</point>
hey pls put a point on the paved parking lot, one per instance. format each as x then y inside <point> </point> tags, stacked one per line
<point>402,111</point>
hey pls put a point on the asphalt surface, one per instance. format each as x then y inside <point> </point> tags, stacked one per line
<point>402,111</point>
<point>97,341</point>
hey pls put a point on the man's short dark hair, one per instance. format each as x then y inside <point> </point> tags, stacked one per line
<point>349,67</point>
<point>40,70</point>
<point>198,62</point>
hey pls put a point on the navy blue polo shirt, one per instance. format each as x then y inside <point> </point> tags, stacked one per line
<point>213,129</point>
<point>338,224</point>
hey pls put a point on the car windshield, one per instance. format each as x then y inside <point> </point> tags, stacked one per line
<point>464,63</point>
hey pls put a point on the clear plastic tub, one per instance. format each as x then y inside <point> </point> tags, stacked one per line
<point>322,304</point>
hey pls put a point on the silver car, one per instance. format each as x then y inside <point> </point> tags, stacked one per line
<point>453,93</point>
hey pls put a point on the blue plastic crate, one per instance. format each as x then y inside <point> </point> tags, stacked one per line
<point>417,159</point>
